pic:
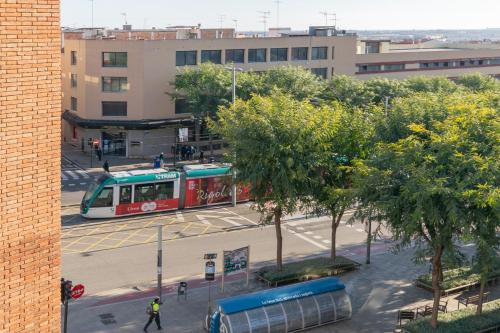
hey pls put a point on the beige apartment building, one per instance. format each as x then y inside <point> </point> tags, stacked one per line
<point>115,83</point>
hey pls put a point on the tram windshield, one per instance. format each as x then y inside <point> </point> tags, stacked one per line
<point>92,189</point>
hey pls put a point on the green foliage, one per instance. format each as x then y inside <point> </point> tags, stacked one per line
<point>463,321</point>
<point>435,84</point>
<point>479,82</point>
<point>462,276</point>
<point>310,268</point>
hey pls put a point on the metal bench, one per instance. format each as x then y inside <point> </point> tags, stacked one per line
<point>406,315</point>
<point>472,299</point>
<point>427,309</point>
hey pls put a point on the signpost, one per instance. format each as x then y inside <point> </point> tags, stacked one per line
<point>209,276</point>
<point>69,292</point>
<point>235,261</point>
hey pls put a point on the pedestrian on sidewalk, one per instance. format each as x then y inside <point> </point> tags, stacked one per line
<point>105,166</point>
<point>99,153</point>
<point>154,313</point>
<point>162,160</point>
<point>201,156</point>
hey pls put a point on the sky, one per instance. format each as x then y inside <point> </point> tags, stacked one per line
<point>297,14</point>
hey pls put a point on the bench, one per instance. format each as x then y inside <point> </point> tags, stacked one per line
<point>427,309</point>
<point>472,299</point>
<point>406,315</point>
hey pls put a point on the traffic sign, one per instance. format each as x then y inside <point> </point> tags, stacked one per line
<point>77,291</point>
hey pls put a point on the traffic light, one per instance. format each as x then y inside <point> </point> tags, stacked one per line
<point>66,286</point>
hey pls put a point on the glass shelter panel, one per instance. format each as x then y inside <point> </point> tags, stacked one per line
<point>258,320</point>
<point>326,307</point>
<point>236,323</point>
<point>342,305</point>
<point>293,315</point>
<point>310,311</point>
<point>277,321</point>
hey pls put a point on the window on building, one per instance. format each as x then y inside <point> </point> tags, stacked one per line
<point>257,55</point>
<point>299,53</point>
<point>181,106</point>
<point>73,57</point>
<point>321,72</point>
<point>372,47</point>
<point>319,53</point>
<point>394,67</point>
<point>73,131</point>
<point>114,109</point>
<point>185,58</point>
<point>369,68</point>
<point>333,52</point>
<point>213,56</point>
<point>114,84</point>
<point>74,80</point>
<point>279,54</point>
<point>114,59</point>
<point>144,192</point>
<point>74,104</point>
<point>480,62</point>
<point>462,63</point>
<point>164,190</point>
<point>125,194</point>
<point>236,56</point>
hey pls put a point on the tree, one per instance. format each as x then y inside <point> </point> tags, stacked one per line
<point>436,84</point>
<point>348,91</point>
<point>479,82</point>
<point>417,176</point>
<point>341,139</point>
<point>269,144</point>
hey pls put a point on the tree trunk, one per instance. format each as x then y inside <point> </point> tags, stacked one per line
<point>479,309</point>
<point>436,269</point>
<point>335,225</point>
<point>279,239</point>
<point>369,242</point>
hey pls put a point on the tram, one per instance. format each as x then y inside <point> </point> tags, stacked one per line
<point>133,192</point>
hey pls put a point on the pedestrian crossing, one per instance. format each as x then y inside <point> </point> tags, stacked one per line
<point>74,175</point>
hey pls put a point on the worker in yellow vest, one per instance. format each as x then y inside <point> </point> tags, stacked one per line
<point>153,310</point>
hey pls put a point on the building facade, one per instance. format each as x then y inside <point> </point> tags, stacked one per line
<point>115,84</point>
<point>30,74</point>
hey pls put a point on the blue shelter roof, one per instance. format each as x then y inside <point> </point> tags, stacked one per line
<point>277,295</point>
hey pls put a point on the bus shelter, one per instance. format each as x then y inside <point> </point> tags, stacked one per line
<point>285,309</point>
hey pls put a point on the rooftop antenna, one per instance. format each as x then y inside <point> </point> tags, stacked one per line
<point>264,17</point>
<point>278,2</point>
<point>326,15</point>
<point>221,19</point>
<point>92,13</point>
<point>235,25</point>
<point>125,17</point>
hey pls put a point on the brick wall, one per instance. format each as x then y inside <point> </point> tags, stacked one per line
<point>29,166</point>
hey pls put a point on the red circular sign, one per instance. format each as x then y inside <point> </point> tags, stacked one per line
<point>77,291</point>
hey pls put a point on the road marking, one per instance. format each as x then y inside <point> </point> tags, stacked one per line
<point>72,174</point>
<point>231,220</point>
<point>83,183</point>
<point>360,230</point>
<point>134,233</point>
<point>326,241</point>
<point>300,228</point>
<point>308,232</point>
<point>204,220</point>
<point>82,173</point>
<point>309,240</point>
<point>179,216</point>
<point>317,237</point>
<point>243,217</point>
<point>71,184</point>
<point>63,176</point>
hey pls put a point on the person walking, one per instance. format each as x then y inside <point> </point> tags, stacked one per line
<point>105,166</point>
<point>162,161</point>
<point>99,153</point>
<point>154,313</point>
<point>201,156</point>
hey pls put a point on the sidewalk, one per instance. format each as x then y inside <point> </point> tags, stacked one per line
<point>116,163</point>
<point>377,292</point>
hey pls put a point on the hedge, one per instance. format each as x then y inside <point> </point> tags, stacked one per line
<point>306,269</point>
<point>463,321</point>
<point>462,276</point>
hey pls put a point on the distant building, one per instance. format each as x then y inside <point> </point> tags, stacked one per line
<point>115,82</point>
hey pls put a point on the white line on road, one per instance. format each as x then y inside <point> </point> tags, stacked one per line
<point>308,232</point>
<point>63,176</point>
<point>179,216</point>
<point>326,241</point>
<point>231,220</point>
<point>72,174</point>
<point>317,237</point>
<point>360,230</point>
<point>245,218</point>
<point>82,173</point>
<point>309,240</point>
<point>300,228</point>
<point>83,183</point>
<point>71,184</point>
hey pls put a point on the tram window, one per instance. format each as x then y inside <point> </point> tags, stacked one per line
<point>164,190</point>
<point>105,198</point>
<point>125,194</point>
<point>144,192</point>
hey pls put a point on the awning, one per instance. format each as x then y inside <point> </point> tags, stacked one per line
<point>144,124</point>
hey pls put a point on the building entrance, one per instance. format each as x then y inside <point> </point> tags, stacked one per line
<point>114,143</point>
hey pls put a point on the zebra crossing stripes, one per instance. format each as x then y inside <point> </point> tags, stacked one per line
<point>74,175</point>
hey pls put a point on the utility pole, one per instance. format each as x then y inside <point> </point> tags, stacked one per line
<point>221,19</point>
<point>234,194</point>
<point>235,26</point>
<point>264,17</point>
<point>278,2</point>
<point>159,260</point>
<point>327,15</point>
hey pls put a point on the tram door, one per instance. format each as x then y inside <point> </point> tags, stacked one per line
<point>103,205</point>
